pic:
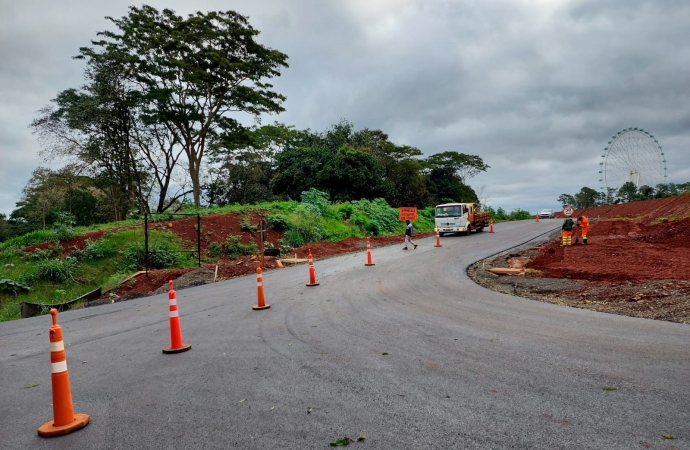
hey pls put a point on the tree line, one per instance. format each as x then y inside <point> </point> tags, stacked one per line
<point>629,192</point>
<point>154,127</point>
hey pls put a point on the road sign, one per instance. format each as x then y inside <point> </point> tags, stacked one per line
<point>407,213</point>
<point>568,211</point>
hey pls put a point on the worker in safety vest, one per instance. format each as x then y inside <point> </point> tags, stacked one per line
<point>567,231</point>
<point>583,223</point>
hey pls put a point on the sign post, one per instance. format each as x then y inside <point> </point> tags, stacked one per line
<point>407,213</point>
<point>262,237</point>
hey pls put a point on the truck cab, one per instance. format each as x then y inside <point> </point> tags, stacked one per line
<point>459,218</point>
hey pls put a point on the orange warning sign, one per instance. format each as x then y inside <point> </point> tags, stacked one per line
<point>407,213</point>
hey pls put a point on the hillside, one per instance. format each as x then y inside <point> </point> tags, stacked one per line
<point>635,262</point>
<point>54,266</point>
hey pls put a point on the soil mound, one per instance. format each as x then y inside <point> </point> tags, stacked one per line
<point>635,263</point>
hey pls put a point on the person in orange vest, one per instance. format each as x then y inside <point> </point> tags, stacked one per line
<point>583,223</point>
<point>567,231</point>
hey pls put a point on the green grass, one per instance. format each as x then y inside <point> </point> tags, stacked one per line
<point>105,272</point>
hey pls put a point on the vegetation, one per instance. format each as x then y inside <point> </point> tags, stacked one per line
<point>500,215</point>
<point>629,192</point>
<point>159,89</point>
<point>46,274</point>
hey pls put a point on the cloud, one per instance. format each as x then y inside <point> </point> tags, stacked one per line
<point>535,88</point>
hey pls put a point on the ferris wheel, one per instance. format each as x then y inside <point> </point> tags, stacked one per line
<point>632,155</point>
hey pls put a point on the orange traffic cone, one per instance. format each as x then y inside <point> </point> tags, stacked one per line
<point>370,261</point>
<point>536,218</point>
<point>438,239</point>
<point>64,420</point>
<point>260,289</point>
<point>312,272</point>
<point>491,225</point>
<point>176,344</point>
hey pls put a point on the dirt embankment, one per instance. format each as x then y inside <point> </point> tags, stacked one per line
<point>216,228</point>
<point>635,263</point>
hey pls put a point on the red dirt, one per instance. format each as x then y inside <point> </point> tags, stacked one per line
<point>635,262</point>
<point>75,243</point>
<point>245,265</point>
<point>621,250</point>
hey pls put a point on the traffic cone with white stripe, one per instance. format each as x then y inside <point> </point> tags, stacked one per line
<point>438,238</point>
<point>312,272</point>
<point>491,225</point>
<point>536,218</point>
<point>261,302</point>
<point>370,260</point>
<point>176,343</point>
<point>64,420</point>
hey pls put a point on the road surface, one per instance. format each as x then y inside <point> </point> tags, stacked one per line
<point>410,353</point>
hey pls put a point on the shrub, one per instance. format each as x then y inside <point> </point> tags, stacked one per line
<point>160,257</point>
<point>234,247</point>
<point>375,217</point>
<point>215,249</point>
<point>292,238</point>
<point>38,254</point>
<point>316,201</point>
<point>278,222</point>
<point>98,249</point>
<point>56,270</point>
<point>15,287</point>
<point>246,225</point>
<point>64,225</point>
<point>64,233</point>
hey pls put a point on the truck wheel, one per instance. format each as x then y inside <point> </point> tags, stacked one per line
<point>480,229</point>
<point>468,231</point>
<point>441,234</point>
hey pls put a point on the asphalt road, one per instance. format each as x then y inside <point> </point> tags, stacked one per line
<point>410,353</point>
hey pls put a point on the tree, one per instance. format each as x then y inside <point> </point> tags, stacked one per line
<point>192,73</point>
<point>566,200</point>
<point>444,186</point>
<point>94,128</point>
<point>40,196</point>
<point>586,198</point>
<point>646,192</point>
<point>627,191</point>
<point>337,161</point>
<point>465,166</point>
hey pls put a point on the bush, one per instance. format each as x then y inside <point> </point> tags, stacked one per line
<point>292,238</point>
<point>64,225</point>
<point>15,287</point>
<point>375,217</point>
<point>56,270</point>
<point>246,225</point>
<point>278,222</point>
<point>234,247</point>
<point>160,257</point>
<point>215,249</point>
<point>38,254</point>
<point>64,233</point>
<point>316,201</point>
<point>95,250</point>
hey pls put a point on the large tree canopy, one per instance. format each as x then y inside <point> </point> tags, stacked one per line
<point>193,73</point>
<point>464,166</point>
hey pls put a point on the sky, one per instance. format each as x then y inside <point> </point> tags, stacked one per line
<point>536,88</point>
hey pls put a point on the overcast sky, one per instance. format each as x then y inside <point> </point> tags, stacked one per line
<point>535,88</point>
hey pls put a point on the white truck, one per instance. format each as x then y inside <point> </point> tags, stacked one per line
<point>460,218</point>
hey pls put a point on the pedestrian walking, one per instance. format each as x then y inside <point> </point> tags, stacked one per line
<point>567,231</point>
<point>409,230</point>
